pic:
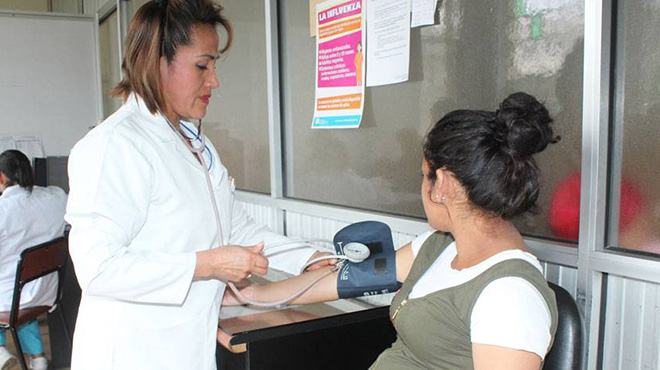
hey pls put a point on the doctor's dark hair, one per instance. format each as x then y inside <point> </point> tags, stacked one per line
<point>16,168</point>
<point>490,153</point>
<point>158,29</point>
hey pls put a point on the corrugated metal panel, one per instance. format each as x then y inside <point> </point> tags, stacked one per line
<point>261,214</point>
<point>632,325</point>
<point>613,324</point>
<point>651,343</point>
<point>565,277</point>
<point>313,226</point>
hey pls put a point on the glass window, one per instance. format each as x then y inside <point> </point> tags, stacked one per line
<point>57,6</point>
<point>132,6</point>
<point>476,54</point>
<point>110,65</point>
<point>66,6</point>
<point>26,5</point>
<point>635,201</point>
<point>237,118</point>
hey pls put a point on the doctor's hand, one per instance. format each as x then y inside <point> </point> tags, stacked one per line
<point>230,263</point>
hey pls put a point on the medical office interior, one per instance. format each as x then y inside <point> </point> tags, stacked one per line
<point>594,63</point>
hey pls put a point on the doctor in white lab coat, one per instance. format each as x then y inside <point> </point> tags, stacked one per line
<point>29,215</point>
<point>144,240</point>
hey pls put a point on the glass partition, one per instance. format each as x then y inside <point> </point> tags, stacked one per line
<point>56,6</point>
<point>110,64</point>
<point>25,5</point>
<point>476,54</point>
<point>132,6</point>
<point>237,119</point>
<point>634,215</point>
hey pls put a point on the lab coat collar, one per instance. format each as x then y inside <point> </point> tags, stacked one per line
<point>14,191</point>
<point>157,122</point>
<point>159,127</point>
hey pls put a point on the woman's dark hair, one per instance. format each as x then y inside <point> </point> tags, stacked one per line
<point>16,168</point>
<point>490,153</point>
<point>158,28</point>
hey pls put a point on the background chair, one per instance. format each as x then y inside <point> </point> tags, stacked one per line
<point>566,351</point>
<point>34,263</point>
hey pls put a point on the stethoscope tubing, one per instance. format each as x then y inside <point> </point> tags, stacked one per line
<point>202,139</point>
<point>199,153</point>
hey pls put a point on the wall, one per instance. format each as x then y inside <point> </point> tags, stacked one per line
<point>27,5</point>
<point>632,325</point>
<point>49,78</point>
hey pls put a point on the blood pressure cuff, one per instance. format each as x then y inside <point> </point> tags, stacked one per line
<point>376,274</point>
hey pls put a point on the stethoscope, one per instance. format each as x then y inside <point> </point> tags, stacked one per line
<point>197,137</point>
<point>198,151</point>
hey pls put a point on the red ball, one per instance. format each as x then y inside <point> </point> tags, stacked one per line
<point>564,211</point>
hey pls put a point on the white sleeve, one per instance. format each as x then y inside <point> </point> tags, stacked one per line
<point>416,244</point>
<point>245,231</point>
<point>110,184</point>
<point>511,313</point>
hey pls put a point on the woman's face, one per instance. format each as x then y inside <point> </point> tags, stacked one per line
<point>188,80</point>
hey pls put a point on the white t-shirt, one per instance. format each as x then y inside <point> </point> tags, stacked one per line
<point>510,312</point>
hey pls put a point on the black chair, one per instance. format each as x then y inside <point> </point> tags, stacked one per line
<point>34,263</point>
<point>566,351</point>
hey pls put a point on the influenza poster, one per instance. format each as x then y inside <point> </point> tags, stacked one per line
<point>340,50</point>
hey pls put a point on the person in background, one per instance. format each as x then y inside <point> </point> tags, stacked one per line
<point>478,299</point>
<point>29,215</point>
<point>150,258</point>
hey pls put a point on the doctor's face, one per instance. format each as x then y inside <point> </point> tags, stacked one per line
<point>188,80</point>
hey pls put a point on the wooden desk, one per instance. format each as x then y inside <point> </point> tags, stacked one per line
<point>307,337</point>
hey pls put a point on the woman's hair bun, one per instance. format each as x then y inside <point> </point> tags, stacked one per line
<point>526,123</point>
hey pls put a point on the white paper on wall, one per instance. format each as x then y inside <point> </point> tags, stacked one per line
<point>31,146</point>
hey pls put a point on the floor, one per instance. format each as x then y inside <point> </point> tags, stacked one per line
<point>45,337</point>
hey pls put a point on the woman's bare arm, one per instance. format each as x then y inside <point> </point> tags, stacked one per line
<point>404,261</point>
<point>324,290</point>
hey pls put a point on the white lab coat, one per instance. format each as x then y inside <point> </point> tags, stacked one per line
<point>139,209</point>
<point>28,219</point>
